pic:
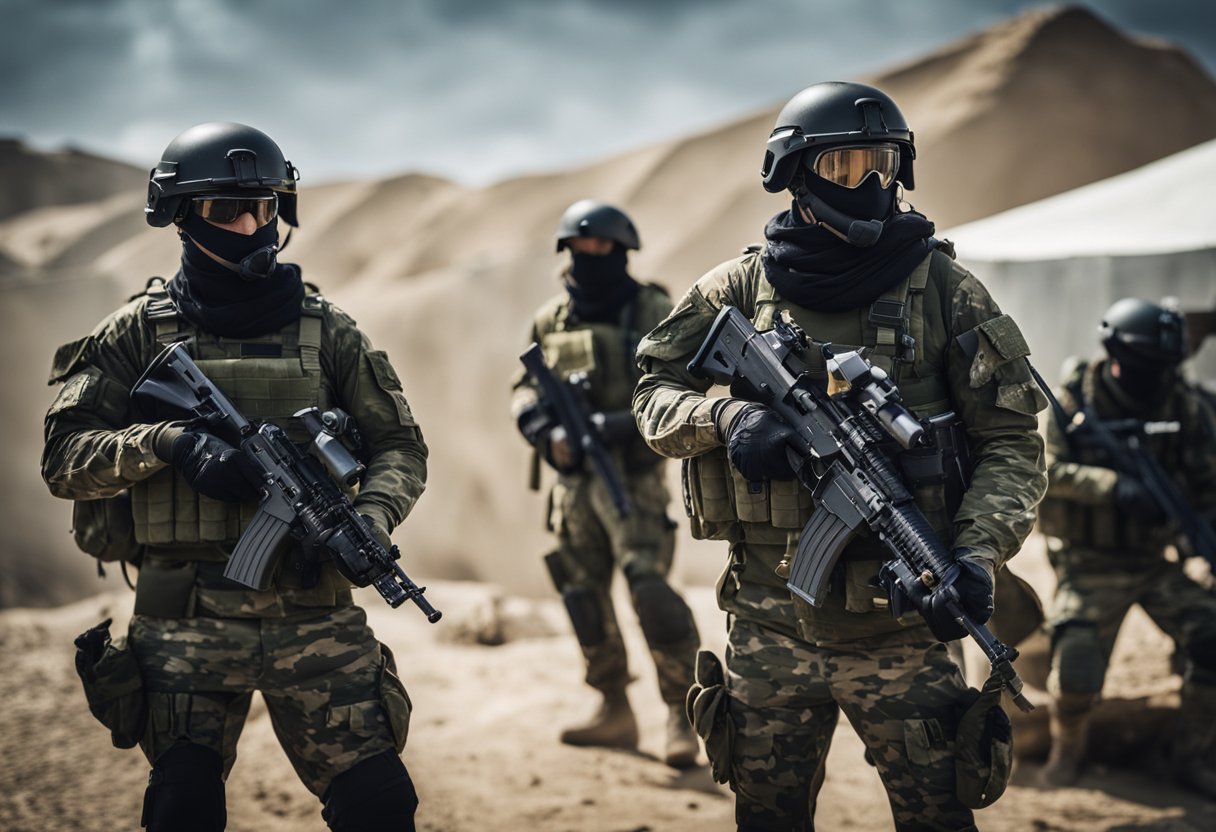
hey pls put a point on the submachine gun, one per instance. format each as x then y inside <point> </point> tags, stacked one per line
<point>561,401</point>
<point>1121,444</point>
<point>842,451</point>
<point>300,495</point>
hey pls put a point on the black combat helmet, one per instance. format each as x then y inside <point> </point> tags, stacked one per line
<point>1141,332</point>
<point>218,157</point>
<point>834,113</point>
<point>592,218</point>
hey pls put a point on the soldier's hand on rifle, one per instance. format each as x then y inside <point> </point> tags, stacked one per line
<point>1132,498</point>
<point>756,441</point>
<point>533,422</point>
<point>213,468</point>
<point>378,532</point>
<point>974,587</point>
<point>558,450</point>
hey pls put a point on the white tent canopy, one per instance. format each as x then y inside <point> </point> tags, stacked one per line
<point>1164,207</point>
<point>1056,265</point>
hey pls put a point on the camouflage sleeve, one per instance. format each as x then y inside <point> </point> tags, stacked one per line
<point>1091,485</point>
<point>994,393</point>
<point>368,388</point>
<point>674,416</point>
<point>93,446</point>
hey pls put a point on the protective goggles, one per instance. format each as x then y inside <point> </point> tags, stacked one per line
<point>226,209</point>
<point>849,166</point>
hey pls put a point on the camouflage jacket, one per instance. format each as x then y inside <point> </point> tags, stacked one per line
<point>991,391</point>
<point>605,352</point>
<point>97,445</point>
<point>1080,504</point>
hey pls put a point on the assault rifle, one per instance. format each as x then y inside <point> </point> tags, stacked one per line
<point>300,492</point>
<point>560,400</point>
<point>1120,442</point>
<point>841,450</point>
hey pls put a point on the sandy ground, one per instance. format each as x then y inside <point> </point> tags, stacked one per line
<point>483,745</point>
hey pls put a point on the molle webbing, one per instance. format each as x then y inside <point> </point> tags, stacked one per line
<point>268,378</point>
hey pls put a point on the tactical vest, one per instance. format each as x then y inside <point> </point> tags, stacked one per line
<point>1104,526</point>
<point>906,333</point>
<point>605,352</point>
<point>269,377</point>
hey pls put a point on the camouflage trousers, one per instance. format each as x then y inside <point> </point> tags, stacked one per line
<point>330,688</point>
<point>592,542</point>
<point>899,690</point>
<point>1094,592</point>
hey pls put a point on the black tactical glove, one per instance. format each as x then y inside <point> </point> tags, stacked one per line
<point>534,423</point>
<point>757,443</point>
<point>974,587</point>
<point>1132,498</point>
<point>213,468</point>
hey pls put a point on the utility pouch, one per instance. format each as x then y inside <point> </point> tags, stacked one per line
<point>166,588</point>
<point>708,707</point>
<point>983,758</point>
<point>709,496</point>
<point>105,530</point>
<point>397,705</point>
<point>113,685</point>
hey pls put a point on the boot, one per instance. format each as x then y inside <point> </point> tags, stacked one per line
<point>1069,736</point>
<point>613,725</point>
<point>682,745</point>
<point>1193,762</point>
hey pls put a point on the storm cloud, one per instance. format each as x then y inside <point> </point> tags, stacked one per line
<point>470,90</point>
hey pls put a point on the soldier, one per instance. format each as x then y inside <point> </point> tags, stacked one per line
<point>593,327</point>
<point>203,643</point>
<point>1107,536</point>
<point>852,269</point>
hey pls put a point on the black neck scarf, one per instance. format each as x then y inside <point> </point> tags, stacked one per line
<point>600,286</point>
<point>817,270</point>
<point>218,301</point>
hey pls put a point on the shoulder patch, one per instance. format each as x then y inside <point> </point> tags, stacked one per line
<point>69,358</point>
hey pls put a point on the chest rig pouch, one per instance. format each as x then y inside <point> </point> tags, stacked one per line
<point>268,378</point>
<point>905,332</point>
<point>602,352</point>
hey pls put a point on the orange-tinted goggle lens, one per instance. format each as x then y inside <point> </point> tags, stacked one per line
<point>849,166</point>
<point>226,209</point>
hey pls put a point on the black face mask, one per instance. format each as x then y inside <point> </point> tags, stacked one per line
<point>599,274</point>
<point>1143,382</point>
<point>600,286</point>
<point>253,255</point>
<point>868,201</point>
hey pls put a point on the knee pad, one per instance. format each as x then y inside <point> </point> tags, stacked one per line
<point>664,616</point>
<point>375,795</point>
<point>185,791</point>
<point>1078,663</point>
<point>1201,651</point>
<point>583,607</point>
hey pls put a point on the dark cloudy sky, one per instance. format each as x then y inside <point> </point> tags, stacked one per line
<point>470,89</point>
